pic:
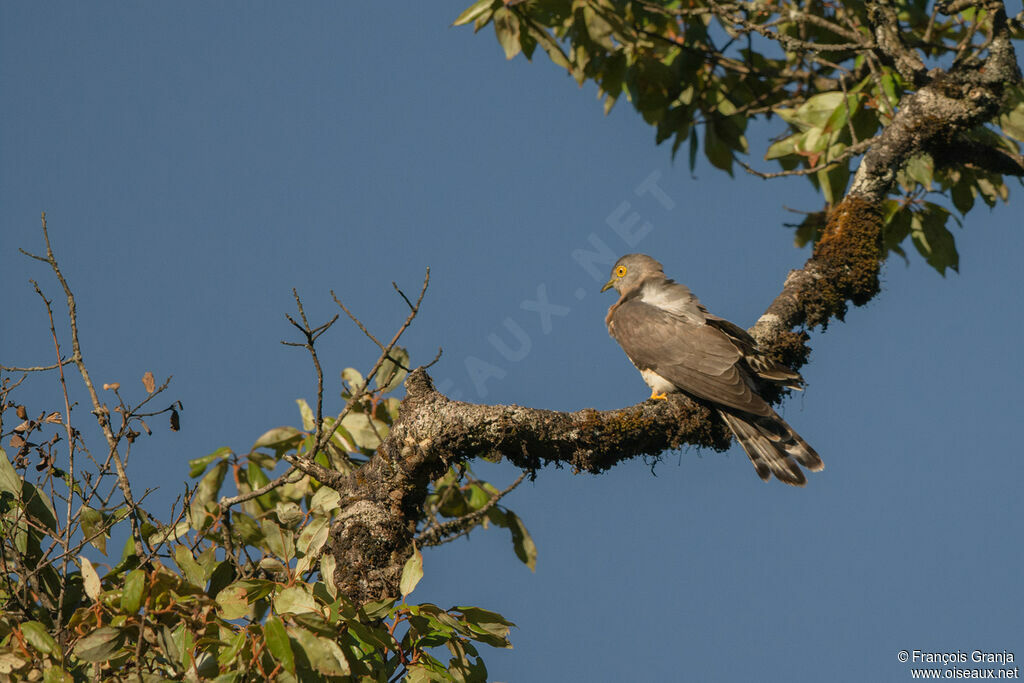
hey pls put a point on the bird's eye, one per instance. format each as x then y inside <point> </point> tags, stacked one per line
<point>620,271</point>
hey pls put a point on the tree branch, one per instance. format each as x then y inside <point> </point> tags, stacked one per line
<point>886,26</point>
<point>976,155</point>
<point>382,502</point>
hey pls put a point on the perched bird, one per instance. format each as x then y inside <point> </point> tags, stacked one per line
<point>679,347</point>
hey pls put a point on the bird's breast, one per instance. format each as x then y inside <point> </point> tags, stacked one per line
<point>657,383</point>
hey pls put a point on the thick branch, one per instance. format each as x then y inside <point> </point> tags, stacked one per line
<point>977,155</point>
<point>382,502</point>
<point>846,261</point>
<point>434,431</point>
<point>886,27</point>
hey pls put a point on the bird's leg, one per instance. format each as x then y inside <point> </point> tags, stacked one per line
<point>655,396</point>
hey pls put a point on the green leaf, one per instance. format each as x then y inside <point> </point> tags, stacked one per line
<point>295,600</point>
<point>355,381</point>
<point>92,526</point>
<point>506,28</point>
<point>475,11</point>
<point>324,500</point>
<point>55,674</point>
<point>376,637</point>
<point>308,420</point>
<point>91,579</point>
<point>233,602</point>
<point>280,541</point>
<point>185,642</point>
<point>34,500</point>
<point>845,109</point>
<point>199,465</point>
<point>228,654</point>
<point>206,492</point>
<point>279,644</point>
<point>377,609</point>
<point>247,529</point>
<point>367,432</point>
<point>716,150</point>
<point>327,566</point>
<point>39,638</point>
<point>222,575</point>
<point>933,240</point>
<point>391,374</point>
<point>1012,120</point>
<point>599,30</point>
<point>317,623</point>
<point>833,182</point>
<point>920,169</point>
<point>100,645</point>
<point>280,440</point>
<point>890,95</point>
<point>552,48</point>
<point>963,196</point>
<point>134,588</point>
<point>810,228</point>
<point>312,539</point>
<point>478,497</point>
<point>289,514</point>
<point>783,147</point>
<point>897,226</point>
<point>991,191</point>
<point>9,479</point>
<point>486,623</point>
<point>323,654</point>
<point>189,567</point>
<point>523,544</point>
<point>815,112</point>
<point>411,573</point>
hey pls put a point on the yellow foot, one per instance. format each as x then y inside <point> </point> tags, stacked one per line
<point>657,397</point>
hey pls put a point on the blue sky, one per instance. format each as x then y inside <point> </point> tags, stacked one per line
<point>197,161</point>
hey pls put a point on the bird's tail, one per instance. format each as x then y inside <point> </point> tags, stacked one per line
<point>773,447</point>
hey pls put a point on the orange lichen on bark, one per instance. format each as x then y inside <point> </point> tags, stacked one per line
<point>849,259</point>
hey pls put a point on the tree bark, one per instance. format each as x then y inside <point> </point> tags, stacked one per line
<point>383,501</point>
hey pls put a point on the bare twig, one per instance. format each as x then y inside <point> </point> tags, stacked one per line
<point>286,478</point>
<point>37,368</point>
<point>361,391</point>
<point>99,410</point>
<point>850,151</point>
<point>857,41</point>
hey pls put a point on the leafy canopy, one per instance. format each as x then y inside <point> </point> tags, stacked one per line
<point>821,74</point>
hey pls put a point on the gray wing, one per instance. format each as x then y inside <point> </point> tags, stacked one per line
<point>699,359</point>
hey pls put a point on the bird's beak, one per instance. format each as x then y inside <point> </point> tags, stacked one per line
<point>608,285</point>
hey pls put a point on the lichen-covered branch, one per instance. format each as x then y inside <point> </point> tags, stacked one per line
<point>382,502</point>
<point>846,261</point>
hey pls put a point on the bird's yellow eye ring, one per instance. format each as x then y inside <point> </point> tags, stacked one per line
<point>620,271</point>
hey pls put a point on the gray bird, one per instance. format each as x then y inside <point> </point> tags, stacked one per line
<point>679,347</point>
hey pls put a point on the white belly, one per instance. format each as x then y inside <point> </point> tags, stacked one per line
<point>657,383</point>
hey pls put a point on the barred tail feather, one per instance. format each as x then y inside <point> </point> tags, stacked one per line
<point>773,447</point>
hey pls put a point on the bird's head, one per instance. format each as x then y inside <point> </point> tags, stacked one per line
<point>630,270</point>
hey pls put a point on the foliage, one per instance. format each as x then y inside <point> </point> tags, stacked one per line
<point>230,588</point>
<point>244,586</point>
<point>702,72</point>
<point>222,596</point>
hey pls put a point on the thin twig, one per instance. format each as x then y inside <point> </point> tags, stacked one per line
<point>358,394</point>
<point>98,408</point>
<point>266,488</point>
<point>438,533</point>
<point>37,368</point>
<point>850,151</point>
